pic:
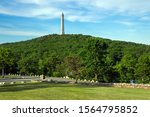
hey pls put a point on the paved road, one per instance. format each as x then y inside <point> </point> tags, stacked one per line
<point>17,79</point>
<point>31,78</point>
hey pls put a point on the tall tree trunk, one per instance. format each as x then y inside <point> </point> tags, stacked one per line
<point>3,72</point>
<point>76,81</point>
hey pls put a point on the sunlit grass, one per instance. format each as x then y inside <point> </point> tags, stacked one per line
<point>51,91</point>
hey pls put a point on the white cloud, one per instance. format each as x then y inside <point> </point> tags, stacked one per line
<point>145,18</point>
<point>125,22</point>
<point>21,33</point>
<point>77,10</point>
<point>31,1</point>
<point>127,6</point>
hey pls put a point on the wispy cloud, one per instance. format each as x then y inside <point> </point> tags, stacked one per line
<point>75,10</point>
<point>21,33</point>
<point>145,18</point>
<point>125,22</point>
<point>112,18</point>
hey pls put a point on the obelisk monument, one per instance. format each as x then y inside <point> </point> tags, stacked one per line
<point>62,25</point>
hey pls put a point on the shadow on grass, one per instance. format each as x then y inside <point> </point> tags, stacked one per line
<point>31,86</point>
<point>39,85</point>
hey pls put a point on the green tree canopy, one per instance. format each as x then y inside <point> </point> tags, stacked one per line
<point>143,68</point>
<point>6,59</point>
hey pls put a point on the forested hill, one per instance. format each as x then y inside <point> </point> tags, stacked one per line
<point>78,56</point>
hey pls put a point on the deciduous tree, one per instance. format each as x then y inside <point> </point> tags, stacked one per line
<point>6,59</point>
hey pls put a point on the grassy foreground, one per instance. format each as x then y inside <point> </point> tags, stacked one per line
<point>49,91</point>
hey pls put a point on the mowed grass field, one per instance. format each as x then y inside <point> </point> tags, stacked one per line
<point>51,91</point>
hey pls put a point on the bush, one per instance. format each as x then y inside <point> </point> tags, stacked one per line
<point>56,74</point>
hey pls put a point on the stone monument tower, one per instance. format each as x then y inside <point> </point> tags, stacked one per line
<point>62,24</point>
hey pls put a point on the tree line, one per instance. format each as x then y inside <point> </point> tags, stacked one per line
<point>79,57</point>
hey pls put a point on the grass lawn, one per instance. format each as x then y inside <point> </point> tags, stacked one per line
<point>50,91</point>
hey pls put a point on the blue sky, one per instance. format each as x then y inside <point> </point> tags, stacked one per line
<point>125,20</point>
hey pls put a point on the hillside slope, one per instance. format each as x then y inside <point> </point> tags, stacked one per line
<point>81,56</point>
